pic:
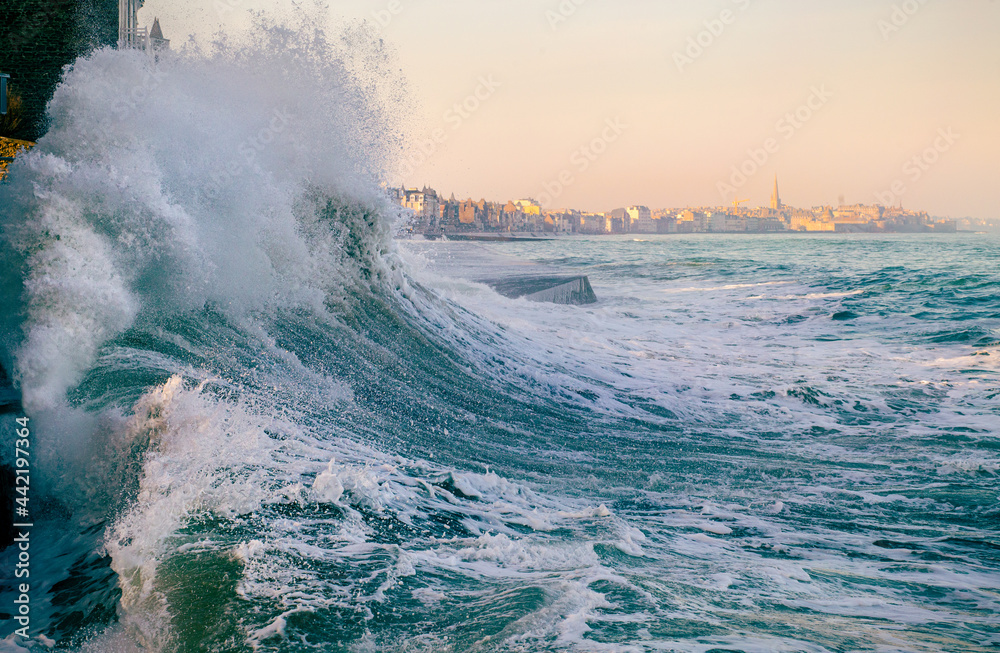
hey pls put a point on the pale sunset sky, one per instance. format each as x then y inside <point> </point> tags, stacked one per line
<point>887,81</point>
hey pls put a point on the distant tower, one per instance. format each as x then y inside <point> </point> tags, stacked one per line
<point>775,197</point>
<point>156,40</point>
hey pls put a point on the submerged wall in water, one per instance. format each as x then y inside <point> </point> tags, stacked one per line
<point>540,288</point>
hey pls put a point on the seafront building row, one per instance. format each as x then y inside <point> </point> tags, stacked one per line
<point>432,215</point>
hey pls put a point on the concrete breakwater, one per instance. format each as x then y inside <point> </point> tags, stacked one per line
<point>561,289</point>
<point>507,275</point>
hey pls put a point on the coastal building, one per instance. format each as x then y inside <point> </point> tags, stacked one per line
<point>594,223</point>
<point>156,41</point>
<point>424,203</point>
<point>806,221</point>
<point>641,220</point>
<point>130,35</point>
<point>468,213</point>
<point>488,218</point>
<point>689,222</point>
<point>619,221</point>
<point>769,225</point>
<point>565,220</point>
<point>555,222</point>
<point>858,213</point>
<point>716,222</point>
<point>854,219</point>
<point>515,219</point>
<point>666,221</point>
<point>742,223</point>
<point>133,37</point>
<point>530,207</point>
<point>899,220</point>
<point>448,212</point>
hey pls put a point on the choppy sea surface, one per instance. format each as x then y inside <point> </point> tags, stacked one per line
<point>798,434</point>
<point>262,424</point>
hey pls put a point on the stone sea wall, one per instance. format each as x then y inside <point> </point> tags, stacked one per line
<point>38,38</point>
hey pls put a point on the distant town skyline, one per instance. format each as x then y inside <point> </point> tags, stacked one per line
<point>600,104</point>
<point>428,213</point>
<point>775,203</point>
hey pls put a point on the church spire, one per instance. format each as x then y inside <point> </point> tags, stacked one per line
<point>775,197</point>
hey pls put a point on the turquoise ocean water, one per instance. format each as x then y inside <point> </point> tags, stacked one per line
<point>262,424</point>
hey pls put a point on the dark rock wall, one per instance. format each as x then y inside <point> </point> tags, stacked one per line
<point>38,38</point>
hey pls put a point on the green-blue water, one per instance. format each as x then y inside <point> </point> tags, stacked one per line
<point>262,424</point>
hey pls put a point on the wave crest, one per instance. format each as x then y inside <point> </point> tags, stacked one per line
<point>245,177</point>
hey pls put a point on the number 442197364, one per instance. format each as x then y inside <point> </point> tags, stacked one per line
<point>23,466</point>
